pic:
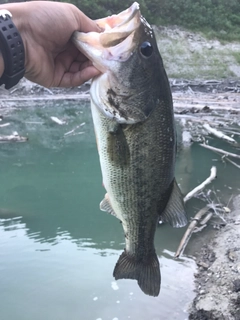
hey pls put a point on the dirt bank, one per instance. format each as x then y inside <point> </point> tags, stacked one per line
<point>218,277</point>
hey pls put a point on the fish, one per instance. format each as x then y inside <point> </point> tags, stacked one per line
<point>132,111</point>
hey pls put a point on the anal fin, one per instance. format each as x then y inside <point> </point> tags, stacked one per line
<point>147,273</point>
<point>174,212</point>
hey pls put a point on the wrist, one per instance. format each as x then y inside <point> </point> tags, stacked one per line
<point>12,63</point>
<point>1,65</point>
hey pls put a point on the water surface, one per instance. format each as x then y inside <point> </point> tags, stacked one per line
<point>58,255</point>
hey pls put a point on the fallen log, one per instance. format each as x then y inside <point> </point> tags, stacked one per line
<point>218,133</point>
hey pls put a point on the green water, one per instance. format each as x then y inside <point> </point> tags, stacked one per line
<point>57,257</point>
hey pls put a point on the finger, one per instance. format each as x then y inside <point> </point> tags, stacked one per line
<point>78,78</point>
<point>78,66</point>
<point>85,24</point>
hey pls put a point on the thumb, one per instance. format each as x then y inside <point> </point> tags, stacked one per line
<point>85,24</point>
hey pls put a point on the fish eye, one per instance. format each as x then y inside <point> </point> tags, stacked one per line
<point>146,49</point>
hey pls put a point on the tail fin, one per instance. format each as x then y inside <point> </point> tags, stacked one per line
<point>146,273</point>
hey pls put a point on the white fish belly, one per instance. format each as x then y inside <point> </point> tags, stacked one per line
<point>101,131</point>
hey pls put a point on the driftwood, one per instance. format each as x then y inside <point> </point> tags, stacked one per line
<point>4,125</point>
<point>192,226</point>
<point>212,176</point>
<point>199,106</point>
<point>226,153</point>
<point>207,102</point>
<point>192,118</point>
<point>187,235</point>
<point>235,133</point>
<point>12,138</point>
<point>72,132</point>
<point>232,162</point>
<point>218,133</point>
<point>58,121</point>
<point>206,219</point>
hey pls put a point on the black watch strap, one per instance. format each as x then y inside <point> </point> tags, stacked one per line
<point>12,50</point>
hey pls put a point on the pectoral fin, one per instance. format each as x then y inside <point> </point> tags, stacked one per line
<point>106,206</point>
<point>174,212</point>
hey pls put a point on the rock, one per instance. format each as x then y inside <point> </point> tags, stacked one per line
<point>236,285</point>
<point>203,264</point>
<point>232,256</point>
<point>209,46</point>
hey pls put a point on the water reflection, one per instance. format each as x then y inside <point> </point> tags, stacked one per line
<point>51,253</point>
<point>46,280</point>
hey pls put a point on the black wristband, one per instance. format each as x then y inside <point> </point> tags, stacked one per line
<point>12,50</point>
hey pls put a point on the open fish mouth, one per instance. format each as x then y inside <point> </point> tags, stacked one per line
<point>114,43</point>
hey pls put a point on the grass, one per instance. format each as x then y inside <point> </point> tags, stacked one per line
<point>195,57</point>
<point>236,55</point>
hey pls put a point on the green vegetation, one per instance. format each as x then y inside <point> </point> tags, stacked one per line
<point>215,18</point>
<point>237,56</point>
<point>190,56</point>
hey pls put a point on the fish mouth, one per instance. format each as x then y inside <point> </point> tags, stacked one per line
<point>116,41</point>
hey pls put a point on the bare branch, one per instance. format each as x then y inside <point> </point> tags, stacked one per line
<point>187,235</point>
<point>212,176</point>
<point>226,153</point>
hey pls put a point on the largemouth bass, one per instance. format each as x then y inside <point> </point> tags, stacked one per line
<point>133,119</point>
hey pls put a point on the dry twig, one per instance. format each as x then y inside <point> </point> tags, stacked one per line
<point>212,176</point>
<point>187,235</point>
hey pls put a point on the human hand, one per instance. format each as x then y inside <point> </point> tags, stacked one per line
<point>51,59</point>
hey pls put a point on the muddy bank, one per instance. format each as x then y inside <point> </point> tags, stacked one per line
<point>218,277</point>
